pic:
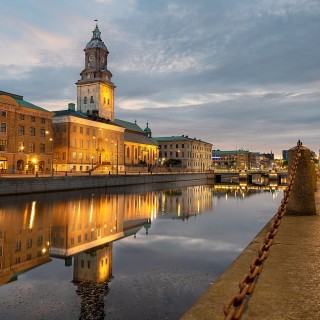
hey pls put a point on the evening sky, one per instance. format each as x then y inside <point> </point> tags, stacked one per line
<point>238,74</point>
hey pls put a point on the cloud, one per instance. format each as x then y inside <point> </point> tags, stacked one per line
<point>231,73</point>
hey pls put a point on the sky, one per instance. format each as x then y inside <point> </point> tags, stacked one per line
<point>238,74</point>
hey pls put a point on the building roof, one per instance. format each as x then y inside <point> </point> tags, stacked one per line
<point>217,152</point>
<point>128,125</point>
<point>70,112</point>
<point>96,41</point>
<point>139,138</point>
<point>178,138</point>
<point>19,99</point>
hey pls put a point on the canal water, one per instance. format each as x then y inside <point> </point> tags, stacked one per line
<point>141,252</point>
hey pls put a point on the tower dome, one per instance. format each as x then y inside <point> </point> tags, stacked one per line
<point>96,41</point>
<point>148,131</point>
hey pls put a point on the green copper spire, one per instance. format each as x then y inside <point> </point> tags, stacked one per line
<point>96,33</point>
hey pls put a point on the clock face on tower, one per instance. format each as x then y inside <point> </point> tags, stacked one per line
<point>91,58</point>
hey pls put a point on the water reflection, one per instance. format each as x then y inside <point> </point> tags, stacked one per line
<point>81,228</point>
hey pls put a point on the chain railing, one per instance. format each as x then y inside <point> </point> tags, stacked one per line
<point>234,307</point>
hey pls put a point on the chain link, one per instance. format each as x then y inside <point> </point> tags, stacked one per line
<point>233,309</point>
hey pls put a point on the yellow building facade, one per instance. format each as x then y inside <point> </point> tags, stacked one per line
<point>25,142</point>
<point>83,144</point>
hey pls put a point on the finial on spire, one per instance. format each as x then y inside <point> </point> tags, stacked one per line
<point>135,121</point>
<point>147,124</point>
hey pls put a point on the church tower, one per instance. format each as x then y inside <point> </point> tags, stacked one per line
<point>95,91</point>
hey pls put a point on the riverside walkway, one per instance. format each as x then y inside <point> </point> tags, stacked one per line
<point>289,285</point>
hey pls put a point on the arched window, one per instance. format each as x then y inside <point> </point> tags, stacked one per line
<point>91,99</point>
<point>85,100</point>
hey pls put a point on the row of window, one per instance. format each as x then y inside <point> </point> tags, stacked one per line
<point>195,147</point>
<point>85,100</point>
<point>28,243</point>
<point>3,114</point>
<point>22,130</point>
<point>181,155</point>
<point>21,147</point>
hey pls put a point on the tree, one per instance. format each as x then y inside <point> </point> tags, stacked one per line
<point>172,162</point>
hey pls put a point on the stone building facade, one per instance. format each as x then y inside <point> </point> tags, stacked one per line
<point>193,154</point>
<point>25,139</point>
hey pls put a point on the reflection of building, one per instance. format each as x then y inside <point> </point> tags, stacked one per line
<point>81,224</point>
<point>185,202</point>
<point>24,142</point>
<point>191,154</point>
<point>24,239</point>
<point>85,229</point>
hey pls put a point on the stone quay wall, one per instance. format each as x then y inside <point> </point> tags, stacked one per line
<point>13,186</point>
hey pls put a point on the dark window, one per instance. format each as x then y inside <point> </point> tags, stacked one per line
<point>4,114</point>
<point>43,120</point>
<point>42,148</point>
<point>32,131</point>
<point>85,100</point>
<point>21,116</point>
<point>21,130</point>
<point>91,99</point>
<point>3,127</point>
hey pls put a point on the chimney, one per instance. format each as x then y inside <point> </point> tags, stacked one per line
<point>71,106</point>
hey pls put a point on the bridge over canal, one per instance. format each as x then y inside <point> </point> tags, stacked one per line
<point>245,177</point>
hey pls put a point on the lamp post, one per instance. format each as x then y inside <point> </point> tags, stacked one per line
<point>117,158</point>
<point>52,169</point>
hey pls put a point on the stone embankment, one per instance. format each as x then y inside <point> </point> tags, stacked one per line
<point>288,286</point>
<point>24,184</point>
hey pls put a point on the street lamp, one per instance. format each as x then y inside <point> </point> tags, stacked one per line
<point>117,158</point>
<point>51,157</point>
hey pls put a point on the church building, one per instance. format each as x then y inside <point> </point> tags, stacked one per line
<point>88,137</point>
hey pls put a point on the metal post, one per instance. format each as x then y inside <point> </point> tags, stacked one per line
<point>117,158</point>
<point>52,169</point>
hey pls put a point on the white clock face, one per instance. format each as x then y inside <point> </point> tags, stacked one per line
<point>91,58</point>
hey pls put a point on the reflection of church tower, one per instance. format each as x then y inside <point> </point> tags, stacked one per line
<point>95,91</point>
<point>92,269</point>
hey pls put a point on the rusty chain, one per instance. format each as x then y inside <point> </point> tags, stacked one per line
<point>233,309</point>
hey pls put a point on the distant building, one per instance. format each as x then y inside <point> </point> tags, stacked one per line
<point>269,156</point>
<point>25,144</point>
<point>285,154</point>
<point>237,159</point>
<point>193,154</point>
